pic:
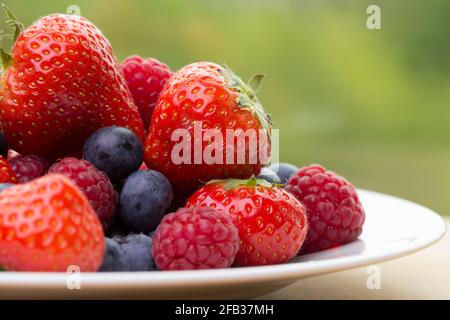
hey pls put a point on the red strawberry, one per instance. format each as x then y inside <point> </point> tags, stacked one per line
<point>7,175</point>
<point>272,223</point>
<point>145,79</point>
<point>208,96</point>
<point>60,84</point>
<point>48,225</point>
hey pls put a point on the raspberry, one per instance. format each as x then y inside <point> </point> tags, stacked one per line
<point>28,167</point>
<point>195,238</point>
<point>145,79</point>
<point>143,167</point>
<point>94,183</point>
<point>335,214</point>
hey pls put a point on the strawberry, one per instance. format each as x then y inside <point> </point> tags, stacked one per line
<point>272,223</point>
<point>60,83</point>
<point>203,96</point>
<point>7,174</point>
<point>48,225</point>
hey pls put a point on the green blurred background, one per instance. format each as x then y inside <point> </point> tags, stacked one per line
<point>372,105</point>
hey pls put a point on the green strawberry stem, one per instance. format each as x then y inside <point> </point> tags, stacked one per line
<point>255,82</point>
<point>11,22</point>
<point>230,184</point>
<point>247,96</point>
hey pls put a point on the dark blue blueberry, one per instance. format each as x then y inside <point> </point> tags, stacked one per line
<point>3,146</point>
<point>269,175</point>
<point>284,171</point>
<point>115,258</point>
<point>138,251</point>
<point>144,199</point>
<point>115,150</point>
<point>4,186</point>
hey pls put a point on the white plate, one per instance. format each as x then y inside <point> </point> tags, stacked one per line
<point>393,228</point>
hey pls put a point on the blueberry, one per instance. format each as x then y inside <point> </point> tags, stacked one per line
<point>269,175</point>
<point>115,150</point>
<point>3,146</point>
<point>115,258</point>
<point>138,251</point>
<point>144,199</point>
<point>4,186</point>
<point>284,171</point>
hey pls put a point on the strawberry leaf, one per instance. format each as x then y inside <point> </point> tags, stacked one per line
<point>12,21</point>
<point>255,81</point>
<point>5,59</point>
<point>230,184</point>
<point>247,96</point>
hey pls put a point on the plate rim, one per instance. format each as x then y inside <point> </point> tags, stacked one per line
<point>231,276</point>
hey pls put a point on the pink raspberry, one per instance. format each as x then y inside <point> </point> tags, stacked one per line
<point>28,167</point>
<point>143,167</point>
<point>335,214</point>
<point>94,183</point>
<point>145,79</point>
<point>195,238</point>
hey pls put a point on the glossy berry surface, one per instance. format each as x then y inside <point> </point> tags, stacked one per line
<point>7,175</point>
<point>284,171</point>
<point>145,79</point>
<point>144,199</point>
<point>93,182</point>
<point>115,259</point>
<point>62,83</point>
<point>49,225</point>
<point>195,238</point>
<point>334,211</point>
<point>211,97</point>
<point>272,223</point>
<point>115,150</point>
<point>28,167</point>
<point>137,249</point>
<point>269,175</point>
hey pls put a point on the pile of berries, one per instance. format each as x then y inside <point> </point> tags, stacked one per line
<point>91,174</point>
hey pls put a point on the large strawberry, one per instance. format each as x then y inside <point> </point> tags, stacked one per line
<point>48,225</point>
<point>61,83</point>
<point>203,96</point>
<point>7,174</point>
<point>272,223</point>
